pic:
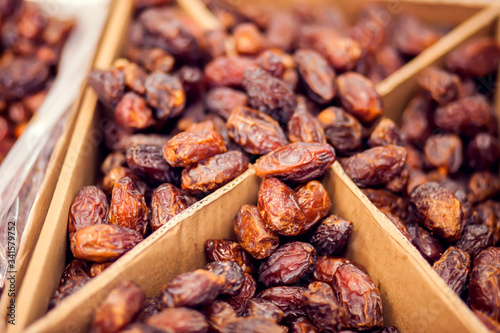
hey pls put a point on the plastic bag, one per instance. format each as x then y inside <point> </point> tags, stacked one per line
<point>22,171</point>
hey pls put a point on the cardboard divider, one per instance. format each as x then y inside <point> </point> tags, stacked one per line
<point>412,291</point>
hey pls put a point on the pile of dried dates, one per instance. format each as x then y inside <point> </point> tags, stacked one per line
<point>31,43</point>
<point>436,177</point>
<point>284,274</point>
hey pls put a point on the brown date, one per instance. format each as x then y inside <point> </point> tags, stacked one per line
<point>442,86</point>
<point>135,76</point>
<point>428,245</point>
<point>399,183</point>
<point>90,207</point>
<point>287,298</point>
<point>475,238</point>
<point>387,202</point>
<point>148,309</point>
<point>113,160</point>
<point>278,205</point>
<point>251,325</point>
<point>119,308</point>
<point>375,166</point>
<point>468,115</point>
<point>199,287</point>
<point>483,152</point>
<point>482,185</point>
<point>444,151</point>
<point>179,320</point>
<point>314,201</point>
<point>326,267</point>
<point>103,242</point>
<point>98,268</point>
<point>343,131</point>
<point>385,133</point>
<point>223,100</point>
<point>323,308</point>
<point>267,93</point>
<point>316,74</point>
<point>252,233</point>
<point>231,272</point>
<point>454,268</point>
<point>239,301</point>
<point>415,125</point>
<point>218,313</point>
<point>297,162</point>
<point>256,132</point>
<point>167,202</point>
<point>132,113</point>
<point>228,71</point>
<point>248,39</point>
<point>271,61</point>
<point>440,210</point>
<point>304,127</point>
<point>128,207</point>
<point>331,236</point>
<point>359,296</point>
<point>484,290</point>
<point>413,36</point>
<point>358,96</point>
<point>214,172</point>
<point>226,250</point>
<point>287,265</point>
<point>477,57</point>
<point>188,148</point>
<point>114,175</point>
<point>108,85</point>
<point>302,325</point>
<point>165,93</point>
<point>147,162</point>
<point>259,307</point>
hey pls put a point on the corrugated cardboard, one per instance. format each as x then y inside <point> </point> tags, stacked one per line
<point>415,298</point>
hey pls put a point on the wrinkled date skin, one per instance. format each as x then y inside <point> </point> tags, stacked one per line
<point>323,308</point>
<point>231,272</point>
<point>199,287</point>
<point>475,238</point>
<point>440,210</point>
<point>375,166</point>
<point>218,313</point>
<point>484,291</point>
<point>343,131</point>
<point>226,250</point>
<point>108,85</point>
<point>223,100</point>
<point>278,205</point>
<point>251,324</point>
<point>442,86</point>
<point>128,207</point>
<point>67,288</point>
<point>256,132</point>
<point>302,325</point>
<point>326,267</point>
<point>331,236</point>
<point>227,71</point>
<point>296,162</point>
<point>188,148</point>
<point>179,320</point>
<point>252,233</point>
<point>113,160</point>
<point>119,308</point>
<point>316,74</point>
<point>359,97</point>
<point>482,186</point>
<point>415,122</point>
<point>267,93</point>
<point>148,163</point>
<point>165,93</point>
<point>287,265</point>
<point>103,242</point>
<point>287,298</point>
<point>314,202</point>
<point>385,133</point>
<point>478,57</point>
<point>132,113</point>
<point>239,301</point>
<point>304,127</point>
<point>214,172</point>
<point>90,207</point>
<point>258,307</point>
<point>454,268</point>
<point>167,201</point>
<point>359,296</point>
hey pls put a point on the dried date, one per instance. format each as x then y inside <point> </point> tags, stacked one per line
<point>326,267</point>
<point>385,133</point>
<point>228,71</point>
<point>179,320</point>
<point>248,39</point>
<point>223,100</point>
<point>475,238</point>
<point>343,131</point>
<point>90,207</point>
<point>259,307</point>
<point>412,36</point>
<point>442,86</point>
<point>302,325</point>
<point>477,57</point>
<point>415,125</point>
<point>484,290</point>
<point>239,301</point>
<point>483,152</point>
<point>132,113</point>
<point>387,202</point>
<point>482,186</point>
<point>218,313</point>
<point>166,94</point>
<point>287,298</point>
<point>323,308</point>
<point>251,325</point>
<point>226,250</point>
<point>231,272</point>
<point>167,202</point>
<point>454,268</point>
<point>98,268</point>
<point>304,127</point>
<point>331,236</point>
<point>147,162</point>
<point>314,201</point>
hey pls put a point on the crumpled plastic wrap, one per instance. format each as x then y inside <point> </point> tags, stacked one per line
<point>23,170</point>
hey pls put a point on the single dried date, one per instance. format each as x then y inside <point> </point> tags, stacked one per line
<point>103,242</point>
<point>442,86</point>
<point>228,71</point>
<point>387,202</point>
<point>166,94</point>
<point>239,301</point>
<point>147,162</point>
<point>167,202</point>
<point>90,207</point>
<point>223,100</point>
<point>475,238</point>
<point>314,201</point>
<point>226,250</point>
<point>248,39</point>
<point>297,162</point>
<point>279,208</point>
<point>482,185</point>
<point>412,36</point>
<point>331,236</point>
<point>477,57</point>
<point>218,313</point>
<point>188,148</point>
<point>385,133</point>
<point>108,85</point>
<point>304,127</point>
<point>287,298</point>
<point>415,125</point>
<point>258,307</point>
<point>483,152</point>
<point>454,268</point>
<point>231,272</point>
<point>323,308</point>
<point>179,320</point>
<point>252,233</point>
<point>251,325</point>
<point>287,265</point>
<point>132,113</point>
<point>326,267</point>
<point>343,131</point>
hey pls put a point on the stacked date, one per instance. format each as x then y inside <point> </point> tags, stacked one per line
<point>437,177</point>
<point>283,275</point>
<point>31,45</point>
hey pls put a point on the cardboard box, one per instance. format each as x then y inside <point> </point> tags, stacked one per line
<point>415,297</point>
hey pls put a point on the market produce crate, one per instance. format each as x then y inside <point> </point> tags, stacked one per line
<point>415,297</point>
